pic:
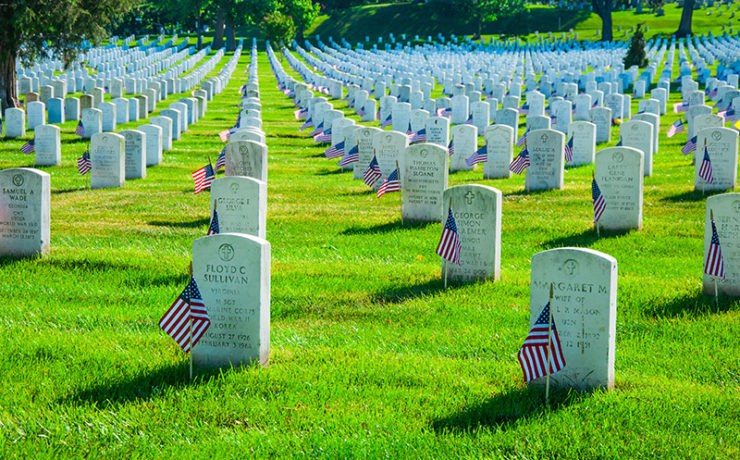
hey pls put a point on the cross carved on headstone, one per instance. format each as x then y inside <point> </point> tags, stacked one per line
<point>469,198</point>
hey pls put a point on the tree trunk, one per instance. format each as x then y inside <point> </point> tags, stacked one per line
<point>684,28</point>
<point>231,38</point>
<point>8,89</point>
<point>604,9</point>
<point>218,33</point>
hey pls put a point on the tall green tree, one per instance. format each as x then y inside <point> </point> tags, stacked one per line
<point>31,27</point>
<point>603,8</point>
<point>303,12</point>
<point>684,27</point>
<point>488,10</point>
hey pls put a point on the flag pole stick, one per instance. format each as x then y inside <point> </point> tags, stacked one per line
<point>549,347</point>
<point>190,342</point>
<point>400,198</point>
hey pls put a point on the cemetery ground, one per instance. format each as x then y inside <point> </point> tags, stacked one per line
<point>370,355</point>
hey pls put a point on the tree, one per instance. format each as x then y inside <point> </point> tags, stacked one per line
<point>303,12</point>
<point>684,27</point>
<point>33,27</point>
<point>487,10</point>
<point>278,27</point>
<point>604,9</point>
<point>636,52</point>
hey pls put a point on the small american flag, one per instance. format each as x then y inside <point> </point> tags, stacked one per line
<point>533,355</point>
<point>449,244</point>
<point>524,109</point>
<point>335,151</point>
<point>308,123</point>
<point>569,150</point>
<point>225,135</point>
<point>300,113</point>
<point>80,129</point>
<point>177,321</point>
<point>324,136</point>
<point>372,173</point>
<point>203,178</point>
<point>213,229</point>
<point>419,136</point>
<point>387,122</point>
<point>221,160</point>
<point>598,200</point>
<point>84,165</point>
<point>595,104</point>
<point>521,162</point>
<point>352,156</point>
<point>689,147</point>
<point>479,156</point>
<point>619,144</point>
<point>715,265</point>
<point>29,147</point>
<point>522,140</point>
<point>680,107</point>
<point>705,170</point>
<point>361,112</point>
<point>318,129</point>
<point>390,184</point>
<point>451,147</point>
<point>729,114</point>
<point>675,128</point>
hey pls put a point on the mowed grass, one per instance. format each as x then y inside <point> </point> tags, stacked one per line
<point>370,356</point>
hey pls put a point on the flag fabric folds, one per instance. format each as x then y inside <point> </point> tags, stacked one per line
<point>451,147</point>
<point>203,178</point>
<point>351,156</point>
<point>449,243</point>
<point>176,322</point>
<point>84,165</point>
<point>689,147</point>
<point>521,162</point>
<point>675,128</point>
<point>372,173</point>
<point>569,150</point>
<point>479,156</point>
<point>419,136</point>
<point>541,341</point>
<point>598,200</point>
<point>705,170</point>
<point>213,229</point>
<point>29,147</point>
<point>522,139</point>
<point>221,160</point>
<point>335,151</point>
<point>714,265</point>
<point>307,124</point>
<point>80,129</point>
<point>392,183</point>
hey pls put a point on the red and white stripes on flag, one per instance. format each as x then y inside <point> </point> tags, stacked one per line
<point>714,265</point>
<point>392,183</point>
<point>80,129</point>
<point>84,165</point>
<point>675,128</point>
<point>449,244</point>
<point>705,170</point>
<point>533,356</point>
<point>177,321</point>
<point>598,200</point>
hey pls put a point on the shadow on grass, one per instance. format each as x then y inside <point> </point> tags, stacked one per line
<point>68,190</point>
<point>181,224</point>
<point>525,192</point>
<point>582,240</point>
<point>400,294</point>
<point>332,172</point>
<point>144,385</point>
<point>364,192</point>
<point>695,304</point>
<point>387,227</point>
<point>693,195</point>
<point>503,411</point>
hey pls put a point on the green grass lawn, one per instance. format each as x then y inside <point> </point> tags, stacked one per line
<point>370,356</point>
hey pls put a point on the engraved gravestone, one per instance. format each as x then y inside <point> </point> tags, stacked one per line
<point>438,131</point>
<point>107,155</point>
<point>546,157</point>
<point>499,140</point>
<point>639,135</point>
<point>248,134</point>
<point>246,158</point>
<point>477,210</point>
<point>134,145</point>
<point>401,116</point>
<point>153,145</point>
<point>25,196</point>
<point>365,151</point>
<point>233,275</point>
<point>423,180</point>
<point>619,174</point>
<point>47,145</point>
<point>584,310</point>
<point>165,123</point>
<point>36,114</point>
<point>464,143</point>
<point>726,210</point>
<point>702,122</point>
<point>584,142</point>
<point>108,113</point>
<point>721,146</point>
<point>241,204</point>
<point>15,122</point>
<point>92,120</point>
<point>602,118</point>
<point>389,147</point>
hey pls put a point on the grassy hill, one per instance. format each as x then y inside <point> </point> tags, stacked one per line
<point>426,19</point>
